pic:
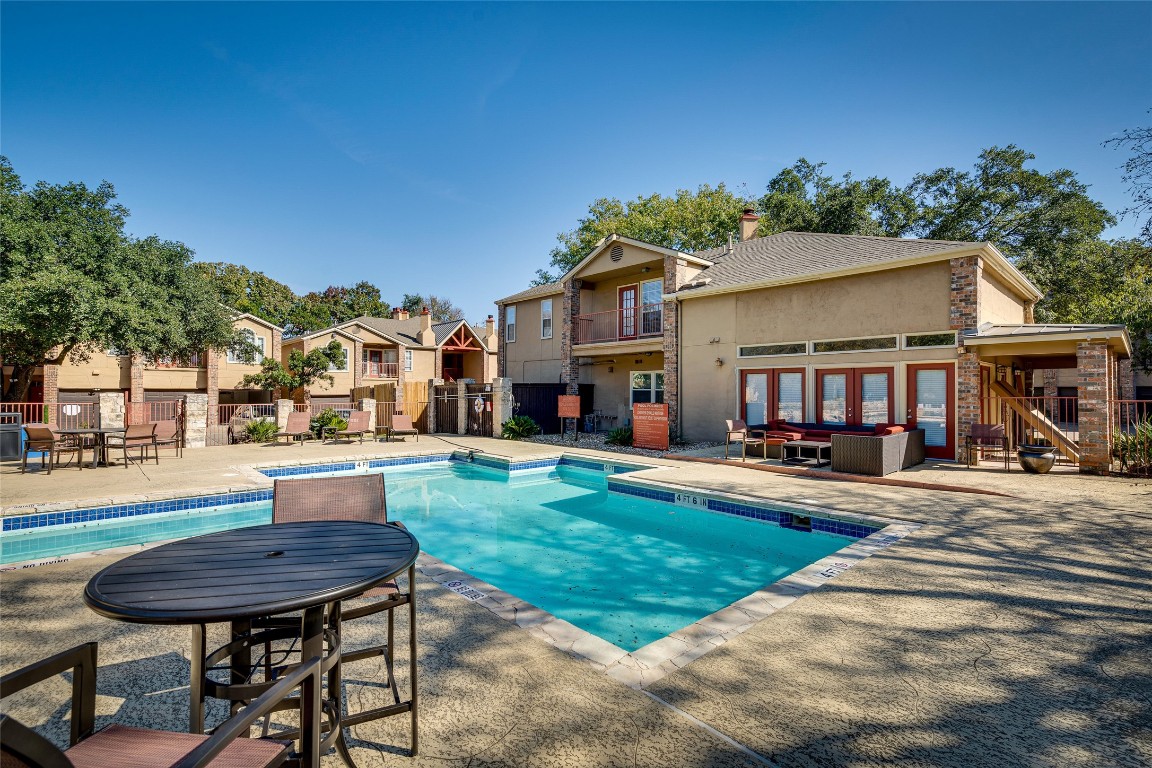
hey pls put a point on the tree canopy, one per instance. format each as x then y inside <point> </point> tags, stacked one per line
<point>441,309</point>
<point>302,371</point>
<point>73,282</point>
<point>1137,174</point>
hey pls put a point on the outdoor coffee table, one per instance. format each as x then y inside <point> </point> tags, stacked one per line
<point>100,451</point>
<point>820,454</point>
<point>247,574</point>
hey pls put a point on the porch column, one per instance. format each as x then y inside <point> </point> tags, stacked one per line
<point>283,408</point>
<point>569,366</point>
<point>369,405</point>
<point>1125,380</point>
<point>432,384</point>
<point>1050,380</point>
<point>112,409</point>
<point>675,275</point>
<point>400,377</point>
<point>501,404</point>
<point>461,407</point>
<point>51,391</point>
<point>967,397</point>
<point>213,401</point>
<point>357,364</point>
<point>136,378</point>
<point>196,410</point>
<point>1093,388</point>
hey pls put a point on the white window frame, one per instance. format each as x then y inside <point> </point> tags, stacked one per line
<point>904,340</point>
<point>347,357</point>
<point>510,324</point>
<point>546,314</point>
<point>740,350</point>
<point>251,337</point>
<point>652,388</point>
<point>407,359</point>
<point>812,345</point>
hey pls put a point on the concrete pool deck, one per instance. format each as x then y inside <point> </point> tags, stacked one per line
<point>1005,631</point>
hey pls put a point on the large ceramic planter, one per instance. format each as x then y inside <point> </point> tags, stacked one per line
<point>1036,459</point>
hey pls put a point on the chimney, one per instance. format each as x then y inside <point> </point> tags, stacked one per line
<point>748,222</point>
<point>427,337</point>
<point>399,313</point>
<point>490,326</point>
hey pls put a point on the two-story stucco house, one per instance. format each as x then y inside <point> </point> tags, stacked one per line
<point>831,329</point>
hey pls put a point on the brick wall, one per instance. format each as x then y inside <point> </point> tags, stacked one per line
<point>357,363</point>
<point>213,402</point>
<point>967,397</point>
<point>51,390</point>
<point>964,296</point>
<point>675,274</point>
<point>1125,380</point>
<point>963,314</point>
<point>277,352</point>
<point>1093,387</point>
<point>569,366</point>
<point>136,379</point>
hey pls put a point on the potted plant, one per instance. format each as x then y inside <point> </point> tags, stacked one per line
<point>1036,459</point>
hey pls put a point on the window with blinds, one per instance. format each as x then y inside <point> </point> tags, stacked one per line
<point>932,406</point>
<point>834,398</point>
<point>790,397</point>
<point>873,398</point>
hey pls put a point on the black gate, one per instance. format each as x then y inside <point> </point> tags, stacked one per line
<point>538,401</point>
<point>480,410</point>
<point>446,401</point>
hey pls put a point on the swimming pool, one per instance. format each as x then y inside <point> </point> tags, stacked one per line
<point>630,565</point>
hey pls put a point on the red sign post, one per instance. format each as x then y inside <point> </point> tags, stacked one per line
<point>650,426</point>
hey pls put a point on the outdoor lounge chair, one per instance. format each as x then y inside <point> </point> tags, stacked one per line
<point>140,436</point>
<point>168,433</point>
<point>299,425</point>
<point>401,425</point>
<point>985,437</point>
<point>119,745</point>
<point>42,439</point>
<point>357,426</point>
<point>358,498</point>
<point>738,432</point>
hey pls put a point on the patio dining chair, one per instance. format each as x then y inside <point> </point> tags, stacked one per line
<point>357,426</point>
<point>359,498</point>
<point>136,436</point>
<point>299,426</point>
<point>129,747</point>
<point>738,432</point>
<point>168,433</point>
<point>41,439</point>
<point>985,437</point>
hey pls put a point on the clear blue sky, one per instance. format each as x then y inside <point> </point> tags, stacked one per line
<point>440,147</point>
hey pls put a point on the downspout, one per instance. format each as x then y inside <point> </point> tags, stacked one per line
<point>679,367</point>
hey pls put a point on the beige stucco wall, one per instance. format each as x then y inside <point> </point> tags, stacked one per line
<point>103,371</point>
<point>182,379</point>
<point>530,356</point>
<point>997,303</point>
<point>423,365</point>
<point>893,302</point>
<point>343,381</point>
<point>231,373</point>
<point>613,389</point>
<point>633,258</point>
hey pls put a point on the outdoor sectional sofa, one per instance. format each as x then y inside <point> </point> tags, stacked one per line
<point>878,451</point>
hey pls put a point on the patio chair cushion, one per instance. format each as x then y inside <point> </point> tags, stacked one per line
<point>119,746</point>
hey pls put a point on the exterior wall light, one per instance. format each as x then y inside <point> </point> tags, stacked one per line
<point>719,362</point>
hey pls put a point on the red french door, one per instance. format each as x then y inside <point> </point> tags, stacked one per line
<point>628,311</point>
<point>768,394</point>
<point>932,407</point>
<point>855,396</point>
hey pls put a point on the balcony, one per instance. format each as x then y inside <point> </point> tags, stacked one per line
<point>627,324</point>
<point>381,370</point>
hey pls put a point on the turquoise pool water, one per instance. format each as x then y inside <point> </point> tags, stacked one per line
<point>627,569</point>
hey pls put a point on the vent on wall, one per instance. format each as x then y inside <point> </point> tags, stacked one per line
<point>617,252</point>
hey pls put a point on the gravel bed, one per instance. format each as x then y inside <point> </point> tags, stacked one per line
<point>596,442</point>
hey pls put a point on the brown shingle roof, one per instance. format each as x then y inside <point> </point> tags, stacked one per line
<point>407,331</point>
<point>547,289</point>
<point>800,254</point>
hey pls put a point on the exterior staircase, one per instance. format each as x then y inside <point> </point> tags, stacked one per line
<point>1036,419</point>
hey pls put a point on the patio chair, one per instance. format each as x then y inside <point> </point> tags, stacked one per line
<point>358,498</point>
<point>42,439</point>
<point>299,425</point>
<point>127,747</point>
<point>168,433</point>
<point>401,425</point>
<point>984,437</point>
<point>357,426</point>
<point>738,432</point>
<point>140,436</point>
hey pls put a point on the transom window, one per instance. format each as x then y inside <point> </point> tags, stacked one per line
<point>872,344</point>
<point>647,387</point>
<point>768,350</point>
<point>917,340</point>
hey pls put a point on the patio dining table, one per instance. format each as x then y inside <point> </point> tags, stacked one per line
<point>247,574</point>
<point>100,452</point>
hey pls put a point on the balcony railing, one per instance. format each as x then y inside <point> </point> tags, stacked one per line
<point>382,370</point>
<point>620,324</point>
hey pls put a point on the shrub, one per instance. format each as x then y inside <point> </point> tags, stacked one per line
<point>260,430</point>
<point>1134,449</point>
<point>619,436</point>
<point>519,427</point>
<point>327,418</point>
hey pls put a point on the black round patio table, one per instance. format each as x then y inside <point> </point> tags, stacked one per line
<point>252,573</point>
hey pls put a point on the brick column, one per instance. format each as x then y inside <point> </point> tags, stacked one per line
<point>1050,380</point>
<point>51,391</point>
<point>1125,380</point>
<point>675,273</point>
<point>1093,387</point>
<point>501,363</point>
<point>358,364</point>
<point>369,405</point>
<point>212,404</point>
<point>136,378</point>
<point>964,298</point>
<point>196,412</point>
<point>432,384</point>
<point>967,397</point>
<point>401,377</point>
<point>438,367</point>
<point>569,365</point>
<point>277,352</point>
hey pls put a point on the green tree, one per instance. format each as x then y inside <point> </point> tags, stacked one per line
<point>337,304</point>
<point>302,372</point>
<point>1137,174</point>
<point>251,292</point>
<point>441,309</point>
<point>688,221</point>
<point>72,283</point>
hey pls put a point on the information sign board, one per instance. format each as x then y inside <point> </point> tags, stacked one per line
<point>650,426</point>
<point>569,406</point>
